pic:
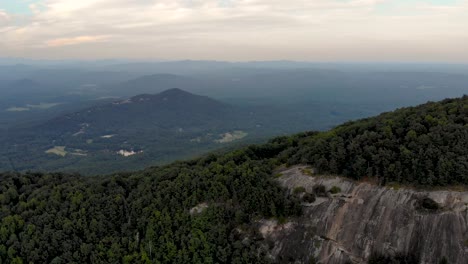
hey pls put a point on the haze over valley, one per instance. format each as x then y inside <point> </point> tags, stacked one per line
<point>98,111</point>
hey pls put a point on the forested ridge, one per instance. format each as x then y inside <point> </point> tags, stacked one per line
<point>143,217</point>
<point>147,216</point>
<point>423,145</point>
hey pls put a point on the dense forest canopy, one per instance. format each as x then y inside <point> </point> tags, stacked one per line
<point>425,145</point>
<point>202,210</point>
<point>144,217</point>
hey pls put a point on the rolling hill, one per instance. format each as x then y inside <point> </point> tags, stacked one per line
<point>168,110</point>
<point>130,134</point>
<point>155,83</point>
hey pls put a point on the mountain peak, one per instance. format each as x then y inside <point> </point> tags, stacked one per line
<point>175,92</point>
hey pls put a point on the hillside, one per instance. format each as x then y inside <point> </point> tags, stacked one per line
<point>147,130</point>
<point>155,83</point>
<point>425,145</point>
<point>170,110</point>
<point>230,208</point>
<point>152,129</point>
<point>190,212</point>
<point>17,93</point>
<point>127,134</point>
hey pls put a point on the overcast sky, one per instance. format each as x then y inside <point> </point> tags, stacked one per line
<point>312,30</point>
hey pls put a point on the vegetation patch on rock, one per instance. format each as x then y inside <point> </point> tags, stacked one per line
<point>335,190</point>
<point>320,190</point>
<point>427,204</point>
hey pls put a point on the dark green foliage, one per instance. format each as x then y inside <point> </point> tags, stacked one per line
<point>299,189</point>
<point>335,190</point>
<point>443,261</point>
<point>144,217</point>
<point>320,190</point>
<point>423,145</point>
<point>399,258</point>
<point>427,203</point>
<point>312,260</point>
<point>309,198</point>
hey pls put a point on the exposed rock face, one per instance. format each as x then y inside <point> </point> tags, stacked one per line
<point>364,218</point>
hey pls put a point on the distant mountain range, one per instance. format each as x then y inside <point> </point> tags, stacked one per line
<point>392,88</point>
<point>87,117</point>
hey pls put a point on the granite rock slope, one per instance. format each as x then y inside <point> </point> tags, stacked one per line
<point>363,218</point>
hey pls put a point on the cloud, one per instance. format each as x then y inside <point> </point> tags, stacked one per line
<point>240,29</point>
<point>4,18</point>
<point>74,40</point>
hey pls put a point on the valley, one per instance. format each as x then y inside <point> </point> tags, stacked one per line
<point>147,130</point>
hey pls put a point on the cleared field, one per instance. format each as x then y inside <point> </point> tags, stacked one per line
<point>231,136</point>
<point>28,107</point>
<point>127,153</point>
<point>43,105</point>
<point>79,152</point>
<point>17,109</point>
<point>108,136</point>
<point>57,150</point>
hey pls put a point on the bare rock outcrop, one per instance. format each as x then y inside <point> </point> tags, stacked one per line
<point>363,218</point>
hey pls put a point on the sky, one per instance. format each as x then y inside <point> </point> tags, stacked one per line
<point>236,30</point>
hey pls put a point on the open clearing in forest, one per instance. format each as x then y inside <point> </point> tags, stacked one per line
<point>231,136</point>
<point>57,150</point>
